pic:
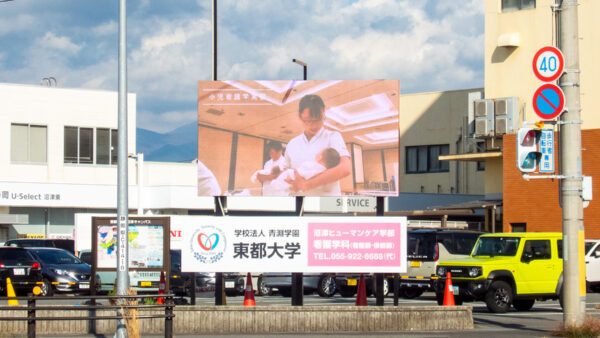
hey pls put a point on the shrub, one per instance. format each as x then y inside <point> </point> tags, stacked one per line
<point>589,328</point>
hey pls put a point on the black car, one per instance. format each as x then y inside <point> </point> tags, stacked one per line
<point>180,283</point>
<point>21,267</point>
<point>67,244</point>
<point>61,271</point>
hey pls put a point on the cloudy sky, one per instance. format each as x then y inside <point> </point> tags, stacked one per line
<point>429,45</point>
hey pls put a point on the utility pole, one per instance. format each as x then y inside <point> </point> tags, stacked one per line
<point>571,188</point>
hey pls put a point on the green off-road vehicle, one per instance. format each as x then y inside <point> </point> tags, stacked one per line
<point>507,269</point>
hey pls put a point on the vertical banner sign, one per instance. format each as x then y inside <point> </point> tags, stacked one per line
<point>546,147</point>
<point>295,244</point>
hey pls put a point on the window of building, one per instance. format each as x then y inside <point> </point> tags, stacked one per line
<point>424,159</point>
<point>106,146</point>
<point>79,145</point>
<point>513,5</point>
<point>28,143</point>
<point>480,149</point>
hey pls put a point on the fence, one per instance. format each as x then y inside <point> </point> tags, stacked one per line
<point>87,321</point>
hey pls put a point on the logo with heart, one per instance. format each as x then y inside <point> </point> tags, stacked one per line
<point>208,244</point>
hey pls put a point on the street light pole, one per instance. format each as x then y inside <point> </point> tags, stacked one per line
<point>304,65</point>
<point>122,172</point>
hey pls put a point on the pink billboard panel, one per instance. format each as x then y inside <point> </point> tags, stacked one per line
<point>298,138</point>
<point>354,244</point>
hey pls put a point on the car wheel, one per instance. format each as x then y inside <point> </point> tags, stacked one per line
<point>499,297</point>
<point>46,288</point>
<point>326,286</point>
<point>372,291</point>
<point>347,291</point>
<point>263,290</point>
<point>285,292</point>
<point>523,304</point>
<point>410,293</point>
<point>440,298</point>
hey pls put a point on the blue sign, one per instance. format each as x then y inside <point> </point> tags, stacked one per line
<point>548,101</point>
<point>546,147</point>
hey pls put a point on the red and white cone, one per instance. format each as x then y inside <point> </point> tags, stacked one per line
<point>161,288</point>
<point>249,293</point>
<point>449,291</point>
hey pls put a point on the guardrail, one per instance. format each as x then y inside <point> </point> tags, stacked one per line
<point>128,302</point>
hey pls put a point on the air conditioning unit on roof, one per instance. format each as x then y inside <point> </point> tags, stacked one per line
<point>484,118</point>
<point>506,110</point>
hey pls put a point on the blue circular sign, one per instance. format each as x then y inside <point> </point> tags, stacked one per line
<point>548,101</point>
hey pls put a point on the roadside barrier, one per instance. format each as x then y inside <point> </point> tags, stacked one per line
<point>249,294</point>
<point>92,308</point>
<point>449,291</point>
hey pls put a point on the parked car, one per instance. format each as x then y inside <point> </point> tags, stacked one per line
<point>323,283</point>
<point>62,271</point>
<point>21,267</point>
<point>347,284</point>
<point>507,269</point>
<point>67,244</point>
<point>180,283</point>
<point>592,264</point>
<point>425,248</point>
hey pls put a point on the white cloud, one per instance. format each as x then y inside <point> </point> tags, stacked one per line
<point>18,23</point>
<point>108,28</point>
<point>62,43</point>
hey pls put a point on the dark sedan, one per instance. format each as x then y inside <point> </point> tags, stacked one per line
<point>21,267</point>
<point>61,271</point>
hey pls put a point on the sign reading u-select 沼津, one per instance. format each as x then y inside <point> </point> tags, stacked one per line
<point>295,244</point>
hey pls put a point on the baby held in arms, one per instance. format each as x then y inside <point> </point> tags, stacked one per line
<point>326,159</point>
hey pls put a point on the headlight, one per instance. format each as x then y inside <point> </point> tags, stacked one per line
<point>441,271</point>
<point>61,272</point>
<point>475,271</point>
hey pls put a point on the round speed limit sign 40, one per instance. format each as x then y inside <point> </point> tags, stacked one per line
<point>548,63</point>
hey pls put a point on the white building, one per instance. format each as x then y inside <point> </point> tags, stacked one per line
<point>59,157</point>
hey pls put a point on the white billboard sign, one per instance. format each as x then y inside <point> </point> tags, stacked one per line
<point>294,244</point>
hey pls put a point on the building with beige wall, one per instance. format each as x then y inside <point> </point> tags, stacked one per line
<point>437,123</point>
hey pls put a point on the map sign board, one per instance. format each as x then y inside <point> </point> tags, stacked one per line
<point>147,238</point>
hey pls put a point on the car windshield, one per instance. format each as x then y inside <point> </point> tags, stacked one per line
<point>9,257</point>
<point>57,257</point>
<point>589,246</point>
<point>496,246</point>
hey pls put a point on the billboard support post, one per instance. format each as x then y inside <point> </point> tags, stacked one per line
<point>297,278</point>
<point>379,296</point>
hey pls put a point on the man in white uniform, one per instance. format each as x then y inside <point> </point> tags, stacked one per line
<point>311,142</point>
<point>207,182</point>
<point>271,170</point>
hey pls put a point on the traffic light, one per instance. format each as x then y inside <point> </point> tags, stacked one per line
<point>528,155</point>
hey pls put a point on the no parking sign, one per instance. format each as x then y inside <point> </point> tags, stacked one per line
<point>548,101</point>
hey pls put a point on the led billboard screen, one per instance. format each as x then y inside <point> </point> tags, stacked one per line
<point>298,138</point>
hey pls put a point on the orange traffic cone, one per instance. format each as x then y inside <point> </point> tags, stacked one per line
<point>361,294</point>
<point>249,294</point>
<point>449,292</point>
<point>161,288</point>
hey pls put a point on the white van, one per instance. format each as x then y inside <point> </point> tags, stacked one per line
<point>592,264</point>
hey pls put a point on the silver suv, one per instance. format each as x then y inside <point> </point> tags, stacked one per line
<point>427,247</point>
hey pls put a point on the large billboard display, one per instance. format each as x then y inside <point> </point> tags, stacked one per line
<point>294,244</point>
<point>298,138</point>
